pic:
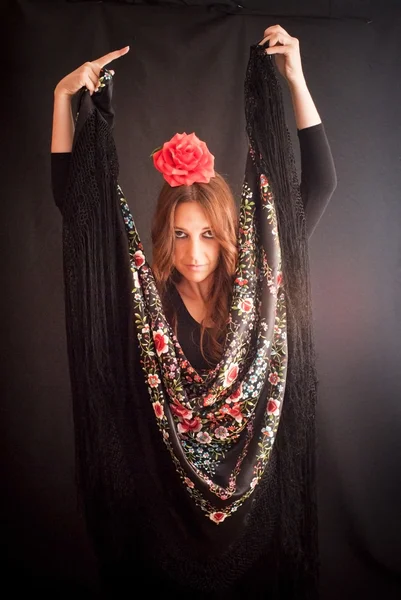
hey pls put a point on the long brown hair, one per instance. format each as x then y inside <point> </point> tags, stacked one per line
<point>218,203</point>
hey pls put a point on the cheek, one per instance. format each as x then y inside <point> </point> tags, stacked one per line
<point>215,251</point>
<point>177,253</point>
<point>209,249</point>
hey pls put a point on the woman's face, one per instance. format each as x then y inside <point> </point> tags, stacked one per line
<point>196,253</point>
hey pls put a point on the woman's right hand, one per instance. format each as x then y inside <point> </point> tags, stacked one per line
<point>87,75</point>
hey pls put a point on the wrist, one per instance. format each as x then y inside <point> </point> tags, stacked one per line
<point>60,93</point>
<point>297,83</point>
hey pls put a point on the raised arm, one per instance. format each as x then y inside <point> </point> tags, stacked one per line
<point>288,62</point>
<point>318,179</point>
<point>63,122</point>
<point>87,75</point>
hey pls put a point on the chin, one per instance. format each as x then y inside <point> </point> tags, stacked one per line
<point>195,277</point>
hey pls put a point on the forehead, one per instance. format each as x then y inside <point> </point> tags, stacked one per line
<point>190,214</point>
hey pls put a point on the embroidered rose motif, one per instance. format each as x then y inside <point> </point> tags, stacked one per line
<point>279,278</point>
<point>234,412</point>
<point>203,437</point>
<point>181,411</point>
<point>153,380</point>
<point>217,517</point>
<point>221,433</point>
<point>190,425</point>
<point>184,159</point>
<point>189,483</point>
<point>235,396</point>
<point>159,412</point>
<point>231,375</point>
<point>139,258</point>
<point>245,305</point>
<point>273,407</point>
<point>161,341</point>
<point>274,378</point>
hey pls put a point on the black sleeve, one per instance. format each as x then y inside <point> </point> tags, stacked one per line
<point>318,174</point>
<point>60,164</point>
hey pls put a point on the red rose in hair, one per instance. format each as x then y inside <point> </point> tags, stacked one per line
<point>183,160</point>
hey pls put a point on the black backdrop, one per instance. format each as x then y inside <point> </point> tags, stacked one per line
<point>185,72</point>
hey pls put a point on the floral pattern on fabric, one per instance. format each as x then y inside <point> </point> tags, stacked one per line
<point>211,421</point>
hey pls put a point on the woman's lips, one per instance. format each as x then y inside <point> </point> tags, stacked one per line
<point>195,267</point>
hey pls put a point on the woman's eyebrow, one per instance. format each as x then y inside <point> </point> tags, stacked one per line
<point>183,228</point>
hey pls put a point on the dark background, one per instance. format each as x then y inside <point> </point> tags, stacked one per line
<point>185,72</point>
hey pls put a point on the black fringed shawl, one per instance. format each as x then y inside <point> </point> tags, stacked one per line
<point>144,488</point>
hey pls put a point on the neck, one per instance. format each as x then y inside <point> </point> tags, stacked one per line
<point>194,290</point>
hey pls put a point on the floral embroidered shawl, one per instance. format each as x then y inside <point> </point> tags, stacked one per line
<point>218,429</point>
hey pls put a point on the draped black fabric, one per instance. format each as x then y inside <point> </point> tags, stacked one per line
<point>138,512</point>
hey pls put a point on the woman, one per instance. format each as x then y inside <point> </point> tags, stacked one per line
<point>208,347</point>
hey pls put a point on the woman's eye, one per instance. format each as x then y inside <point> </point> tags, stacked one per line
<point>181,234</point>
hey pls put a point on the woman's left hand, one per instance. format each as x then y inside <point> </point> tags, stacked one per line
<point>286,51</point>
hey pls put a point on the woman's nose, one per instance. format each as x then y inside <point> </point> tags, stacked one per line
<point>194,249</point>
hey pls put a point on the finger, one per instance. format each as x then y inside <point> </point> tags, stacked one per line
<point>94,79</point>
<point>90,85</point>
<point>279,49</point>
<point>265,39</point>
<point>278,38</point>
<point>108,58</point>
<point>274,29</point>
